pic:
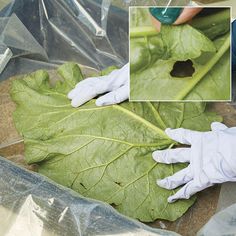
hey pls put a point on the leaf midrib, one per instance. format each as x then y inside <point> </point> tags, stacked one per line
<point>167,142</point>
<point>118,107</point>
<point>200,75</point>
<point>157,115</point>
<point>146,122</point>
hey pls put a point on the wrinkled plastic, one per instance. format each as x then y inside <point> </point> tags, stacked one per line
<point>31,204</point>
<point>91,33</point>
<point>5,56</point>
<point>56,31</point>
<point>227,196</point>
<point>223,223</point>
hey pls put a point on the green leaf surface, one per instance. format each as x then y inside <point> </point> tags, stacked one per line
<point>103,152</point>
<point>153,58</point>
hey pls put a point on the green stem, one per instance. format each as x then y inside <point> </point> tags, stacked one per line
<point>142,31</point>
<point>145,122</point>
<point>206,22</point>
<point>157,115</point>
<point>203,71</point>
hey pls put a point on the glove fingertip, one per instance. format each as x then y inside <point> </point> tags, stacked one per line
<point>218,126</point>
<point>160,156</point>
<point>70,95</point>
<point>100,102</point>
<point>171,199</point>
<point>161,183</point>
<point>155,156</point>
<point>168,131</point>
<point>104,101</point>
<point>75,103</point>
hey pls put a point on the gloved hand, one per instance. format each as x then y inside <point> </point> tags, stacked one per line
<point>172,15</point>
<point>116,84</point>
<point>212,158</point>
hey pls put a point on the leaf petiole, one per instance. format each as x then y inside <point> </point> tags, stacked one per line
<point>198,76</point>
<point>142,31</point>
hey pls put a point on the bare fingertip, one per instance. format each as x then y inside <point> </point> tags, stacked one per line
<point>156,23</point>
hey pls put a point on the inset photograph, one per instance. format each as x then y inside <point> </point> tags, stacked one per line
<point>180,54</point>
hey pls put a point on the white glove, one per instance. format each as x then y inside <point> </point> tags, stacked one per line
<point>212,158</point>
<point>116,84</point>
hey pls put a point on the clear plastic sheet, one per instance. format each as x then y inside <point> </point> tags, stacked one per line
<point>55,31</point>
<point>223,223</point>
<point>31,204</point>
<point>5,56</point>
<point>227,196</point>
<point>93,33</point>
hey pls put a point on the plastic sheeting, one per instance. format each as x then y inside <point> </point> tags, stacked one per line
<point>46,33</point>
<point>30,204</point>
<point>223,223</point>
<point>55,31</point>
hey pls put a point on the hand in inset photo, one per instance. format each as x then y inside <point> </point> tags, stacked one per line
<point>175,16</point>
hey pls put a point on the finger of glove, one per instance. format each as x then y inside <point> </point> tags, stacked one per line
<point>217,126</point>
<point>121,75</point>
<point>177,179</point>
<point>83,97</point>
<point>180,135</point>
<point>186,191</point>
<point>81,86</point>
<point>172,155</point>
<point>88,86</point>
<point>72,93</point>
<point>119,95</point>
<point>118,78</point>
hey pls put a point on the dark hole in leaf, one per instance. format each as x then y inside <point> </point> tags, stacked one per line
<point>182,69</point>
<point>83,185</point>
<point>114,205</point>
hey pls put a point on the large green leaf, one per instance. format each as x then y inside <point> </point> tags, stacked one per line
<point>153,57</point>
<point>103,152</point>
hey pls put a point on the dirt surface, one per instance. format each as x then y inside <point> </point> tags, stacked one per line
<point>12,147</point>
<point>8,132</point>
